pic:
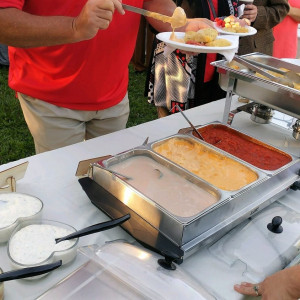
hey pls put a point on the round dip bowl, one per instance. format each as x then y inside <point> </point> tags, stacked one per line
<point>16,208</point>
<point>32,243</point>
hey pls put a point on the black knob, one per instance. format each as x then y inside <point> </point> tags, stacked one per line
<point>275,226</point>
<point>295,186</point>
<point>167,263</point>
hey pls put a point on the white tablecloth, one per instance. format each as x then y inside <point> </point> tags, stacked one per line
<point>51,177</point>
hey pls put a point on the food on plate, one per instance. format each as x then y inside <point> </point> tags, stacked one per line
<point>246,148</point>
<point>233,24</point>
<point>218,43</point>
<point>216,168</point>
<point>205,37</point>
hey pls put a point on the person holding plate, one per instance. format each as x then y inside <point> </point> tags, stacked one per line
<point>198,79</point>
<point>69,63</point>
<point>264,15</point>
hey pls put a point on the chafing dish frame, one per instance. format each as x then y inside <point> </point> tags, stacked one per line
<point>246,84</point>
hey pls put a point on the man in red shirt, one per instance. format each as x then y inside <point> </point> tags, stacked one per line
<point>69,64</point>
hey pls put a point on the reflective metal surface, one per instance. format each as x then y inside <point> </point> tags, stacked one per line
<point>191,233</point>
<point>247,84</point>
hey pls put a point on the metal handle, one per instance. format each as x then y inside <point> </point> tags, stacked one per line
<point>270,68</point>
<point>135,9</point>
<point>186,118</point>
<point>253,67</point>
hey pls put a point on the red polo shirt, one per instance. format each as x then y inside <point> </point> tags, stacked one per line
<point>89,75</point>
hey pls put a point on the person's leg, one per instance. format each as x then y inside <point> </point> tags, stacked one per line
<point>108,120</point>
<point>51,126</point>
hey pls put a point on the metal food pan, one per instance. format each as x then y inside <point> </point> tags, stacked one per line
<point>169,224</point>
<point>246,137</point>
<point>187,233</point>
<point>247,84</point>
<point>191,139</point>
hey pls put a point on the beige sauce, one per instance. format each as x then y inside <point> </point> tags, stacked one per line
<point>178,19</point>
<point>171,191</point>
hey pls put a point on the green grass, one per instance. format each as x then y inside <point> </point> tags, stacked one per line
<point>16,140</point>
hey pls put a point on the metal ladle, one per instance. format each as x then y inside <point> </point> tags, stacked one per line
<point>193,127</point>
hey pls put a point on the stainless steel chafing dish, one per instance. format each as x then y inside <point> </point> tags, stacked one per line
<point>175,236</point>
<point>245,83</point>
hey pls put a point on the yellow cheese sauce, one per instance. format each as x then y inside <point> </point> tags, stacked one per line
<point>178,19</point>
<point>217,169</point>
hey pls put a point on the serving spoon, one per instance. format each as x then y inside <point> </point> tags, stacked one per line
<point>178,18</point>
<point>191,124</point>
<point>29,272</point>
<point>94,228</point>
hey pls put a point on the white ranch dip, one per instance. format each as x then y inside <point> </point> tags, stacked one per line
<point>35,243</point>
<point>15,205</point>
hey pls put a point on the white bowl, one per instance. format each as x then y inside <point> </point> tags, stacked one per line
<point>32,243</point>
<point>16,208</point>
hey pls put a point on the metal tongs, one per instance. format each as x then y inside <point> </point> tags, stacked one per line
<point>284,81</point>
<point>291,75</point>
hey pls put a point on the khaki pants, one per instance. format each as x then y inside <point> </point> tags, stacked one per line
<point>53,127</point>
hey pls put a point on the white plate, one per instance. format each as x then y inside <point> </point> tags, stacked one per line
<point>251,31</point>
<point>165,37</point>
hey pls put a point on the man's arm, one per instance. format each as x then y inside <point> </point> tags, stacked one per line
<point>21,29</point>
<point>294,13</point>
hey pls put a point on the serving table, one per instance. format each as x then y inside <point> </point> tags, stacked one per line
<point>51,177</point>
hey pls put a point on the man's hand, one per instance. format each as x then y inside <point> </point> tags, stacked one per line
<point>95,15</point>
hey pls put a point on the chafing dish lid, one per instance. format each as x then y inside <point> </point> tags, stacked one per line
<point>121,270</point>
<point>262,251</point>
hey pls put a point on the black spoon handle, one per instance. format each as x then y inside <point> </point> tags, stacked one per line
<point>29,272</point>
<point>94,228</point>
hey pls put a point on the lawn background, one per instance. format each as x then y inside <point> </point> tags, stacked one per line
<point>16,140</point>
